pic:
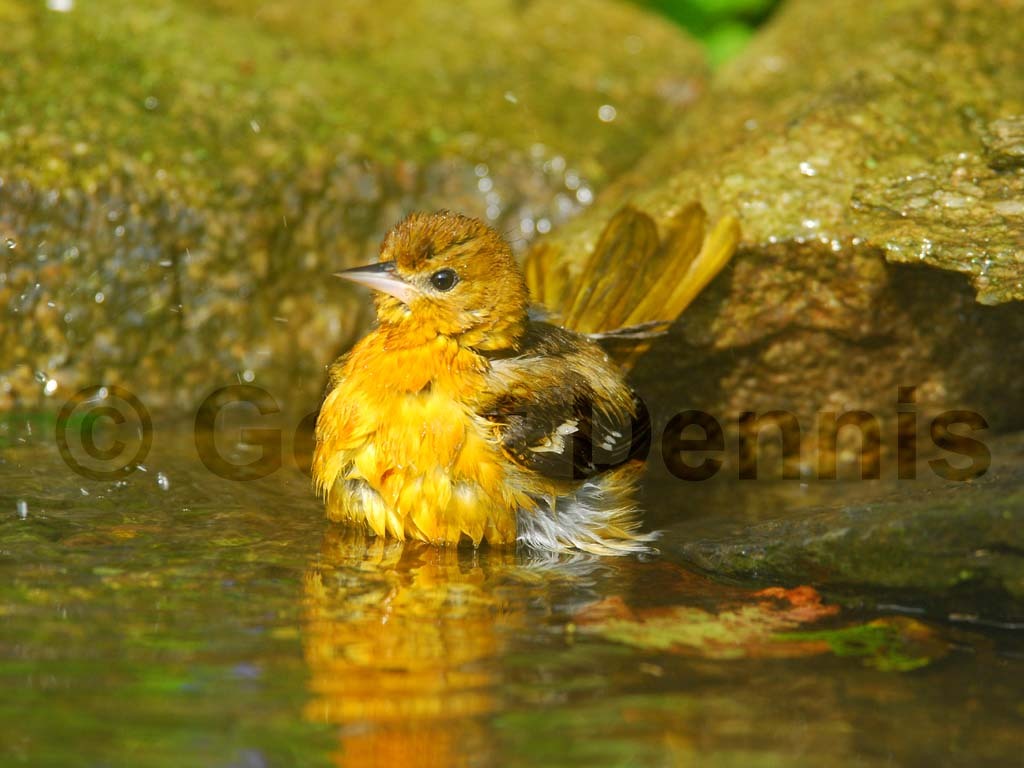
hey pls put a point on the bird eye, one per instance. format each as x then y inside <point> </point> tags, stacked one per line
<point>444,279</point>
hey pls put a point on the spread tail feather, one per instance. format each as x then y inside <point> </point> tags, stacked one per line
<point>634,280</point>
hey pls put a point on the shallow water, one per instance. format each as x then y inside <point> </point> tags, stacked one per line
<point>177,618</point>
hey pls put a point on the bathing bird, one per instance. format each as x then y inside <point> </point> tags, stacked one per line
<point>468,413</point>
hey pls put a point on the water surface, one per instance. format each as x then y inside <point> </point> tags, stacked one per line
<point>178,618</point>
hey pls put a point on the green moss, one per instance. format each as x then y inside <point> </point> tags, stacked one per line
<point>179,179</point>
<point>888,645</point>
<point>201,89</point>
<point>723,26</point>
<point>955,551</point>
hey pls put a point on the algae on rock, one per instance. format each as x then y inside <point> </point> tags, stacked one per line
<point>179,181</point>
<point>859,144</point>
<point>954,549</point>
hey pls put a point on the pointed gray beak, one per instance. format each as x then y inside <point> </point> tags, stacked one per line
<point>381,277</point>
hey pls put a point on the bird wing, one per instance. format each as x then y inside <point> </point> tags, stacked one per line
<point>561,411</point>
<point>573,445</point>
<point>635,282</point>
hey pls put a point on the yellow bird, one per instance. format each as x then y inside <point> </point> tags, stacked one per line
<point>466,415</point>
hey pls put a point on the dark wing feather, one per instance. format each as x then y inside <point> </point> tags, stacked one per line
<point>570,441</point>
<point>565,426</point>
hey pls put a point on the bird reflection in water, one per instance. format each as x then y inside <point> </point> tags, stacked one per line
<point>403,641</point>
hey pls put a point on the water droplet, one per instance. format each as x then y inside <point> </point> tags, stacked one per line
<point>254,126</point>
<point>162,481</point>
<point>1009,207</point>
<point>50,387</point>
<point>481,170</point>
<point>61,6</point>
<point>925,249</point>
<point>485,184</point>
<point>151,103</point>
<point>807,169</point>
<point>584,196</point>
<point>22,507</point>
<point>606,113</point>
<point>511,98</point>
<point>543,226</point>
<point>99,297</point>
<point>248,375</point>
<point>11,245</point>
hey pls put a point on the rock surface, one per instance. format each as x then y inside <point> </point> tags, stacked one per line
<point>860,145</point>
<point>873,154</point>
<point>842,122</point>
<point>178,182</point>
<point>956,549</point>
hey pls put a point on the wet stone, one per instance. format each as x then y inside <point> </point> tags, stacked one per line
<point>180,182</point>
<point>1004,143</point>
<point>871,167</point>
<point>954,550</point>
<point>960,214</point>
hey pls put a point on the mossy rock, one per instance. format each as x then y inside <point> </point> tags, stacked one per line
<point>873,154</point>
<point>955,550</point>
<point>178,181</point>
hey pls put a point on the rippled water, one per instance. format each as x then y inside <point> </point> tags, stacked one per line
<point>176,618</point>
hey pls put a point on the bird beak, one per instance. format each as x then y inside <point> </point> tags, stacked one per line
<point>380,277</point>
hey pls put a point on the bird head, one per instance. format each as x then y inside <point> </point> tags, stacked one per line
<point>451,275</point>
